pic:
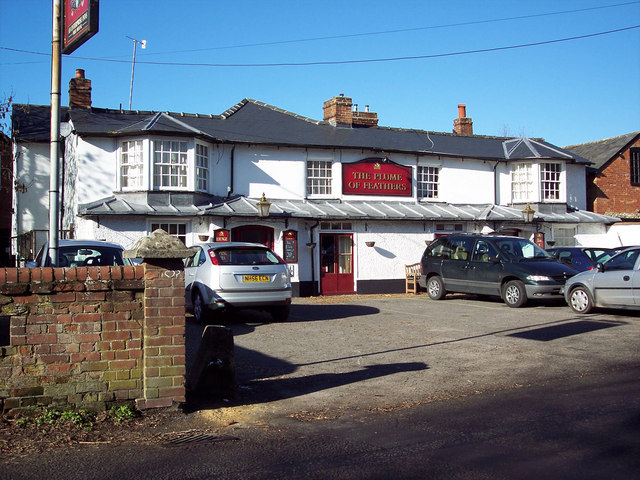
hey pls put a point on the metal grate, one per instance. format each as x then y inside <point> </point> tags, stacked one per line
<point>197,438</point>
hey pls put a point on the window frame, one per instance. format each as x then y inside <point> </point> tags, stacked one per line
<point>545,182</point>
<point>141,164</point>
<point>634,166</point>
<point>202,172</point>
<point>522,194</point>
<point>182,177</point>
<point>172,228</point>
<point>326,167</point>
<point>426,188</point>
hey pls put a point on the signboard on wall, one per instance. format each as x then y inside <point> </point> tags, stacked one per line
<point>290,241</point>
<point>79,23</point>
<point>221,235</point>
<point>376,176</point>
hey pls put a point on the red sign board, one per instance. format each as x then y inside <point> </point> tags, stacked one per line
<point>221,235</point>
<point>376,176</point>
<point>79,23</point>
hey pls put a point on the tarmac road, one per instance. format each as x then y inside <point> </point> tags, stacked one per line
<point>365,353</point>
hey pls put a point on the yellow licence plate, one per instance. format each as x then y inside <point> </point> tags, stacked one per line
<point>255,278</point>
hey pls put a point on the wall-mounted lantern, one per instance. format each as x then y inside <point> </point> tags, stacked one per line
<point>528,213</point>
<point>263,207</point>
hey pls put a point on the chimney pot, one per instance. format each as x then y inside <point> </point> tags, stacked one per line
<point>366,108</point>
<point>462,110</point>
<point>79,73</point>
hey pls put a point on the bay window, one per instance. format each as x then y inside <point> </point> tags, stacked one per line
<point>131,164</point>
<point>169,164</point>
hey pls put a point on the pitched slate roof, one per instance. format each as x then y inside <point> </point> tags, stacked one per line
<point>253,122</point>
<point>601,151</point>
<point>240,206</point>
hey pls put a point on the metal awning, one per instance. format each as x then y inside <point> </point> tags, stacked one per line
<point>337,210</point>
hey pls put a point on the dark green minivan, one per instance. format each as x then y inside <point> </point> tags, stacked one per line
<point>512,268</point>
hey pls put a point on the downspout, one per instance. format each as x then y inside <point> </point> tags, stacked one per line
<point>313,267</point>
<point>230,187</point>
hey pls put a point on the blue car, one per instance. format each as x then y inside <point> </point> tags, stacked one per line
<point>582,258</point>
<point>613,284</point>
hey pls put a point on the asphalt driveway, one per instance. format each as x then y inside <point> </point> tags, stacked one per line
<point>345,354</point>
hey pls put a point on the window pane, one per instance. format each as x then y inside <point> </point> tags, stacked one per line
<point>428,182</point>
<point>131,166</point>
<point>169,164</point>
<point>318,177</point>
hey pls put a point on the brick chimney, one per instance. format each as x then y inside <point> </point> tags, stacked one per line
<point>79,91</point>
<point>364,119</point>
<point>462,125</point>
<point>337,111</point>
<point>341,112</point>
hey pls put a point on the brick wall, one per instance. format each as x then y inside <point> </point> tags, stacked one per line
<point>612,190</point>
<point>93,337</point>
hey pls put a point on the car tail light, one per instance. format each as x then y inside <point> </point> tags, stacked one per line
<point>213,257</point>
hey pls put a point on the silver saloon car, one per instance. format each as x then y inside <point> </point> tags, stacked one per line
<point>614,284</point>
<point>220,277</point>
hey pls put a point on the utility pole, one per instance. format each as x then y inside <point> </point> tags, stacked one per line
<point>143,44</point>
<point>54,148</point>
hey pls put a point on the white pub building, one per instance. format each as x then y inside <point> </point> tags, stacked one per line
<point>350,202</point>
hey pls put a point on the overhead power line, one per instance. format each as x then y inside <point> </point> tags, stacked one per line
<point>399,30</point>
<point>345,62</point>
<point>374,60</point>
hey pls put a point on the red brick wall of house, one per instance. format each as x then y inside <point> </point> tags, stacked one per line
<point>93,337</point>
<point>612,190</point>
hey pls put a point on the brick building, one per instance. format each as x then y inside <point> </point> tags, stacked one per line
<point>613,181</point>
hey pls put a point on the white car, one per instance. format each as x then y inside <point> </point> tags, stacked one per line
<point>227,275</point>
<point>613,284</point>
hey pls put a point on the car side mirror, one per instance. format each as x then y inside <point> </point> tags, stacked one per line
<point>600,267</point>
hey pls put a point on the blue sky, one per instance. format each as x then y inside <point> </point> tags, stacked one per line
<point>566,92</point>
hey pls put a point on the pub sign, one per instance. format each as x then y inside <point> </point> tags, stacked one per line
<point>376,176</point>
<point>79,23</point>
<point>221,235</point>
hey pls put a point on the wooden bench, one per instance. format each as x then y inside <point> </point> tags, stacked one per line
<point>412,274</point>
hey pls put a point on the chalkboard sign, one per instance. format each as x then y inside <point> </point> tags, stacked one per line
<point>290,242</point>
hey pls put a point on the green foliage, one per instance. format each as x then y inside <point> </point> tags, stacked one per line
<point>121,413</point>
<point>52,416</point>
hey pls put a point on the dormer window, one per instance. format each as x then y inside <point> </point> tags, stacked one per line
<point>169,164</point>
<point>522,182</point>
<point>131,164</point>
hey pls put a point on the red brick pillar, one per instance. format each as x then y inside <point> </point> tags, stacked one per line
<point>163,331</point>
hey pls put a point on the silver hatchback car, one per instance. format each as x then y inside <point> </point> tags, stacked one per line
<point>223,276</point>
<point>614,284</point>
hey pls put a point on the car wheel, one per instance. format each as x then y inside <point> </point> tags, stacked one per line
<point>514,294</point>
<point>435,288</point>
<point>201,313</point>
<point>580,300</point>
<point>280,314</point>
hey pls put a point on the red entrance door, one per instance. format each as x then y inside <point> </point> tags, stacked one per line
<point>336,264</point>
<point>253,234</point>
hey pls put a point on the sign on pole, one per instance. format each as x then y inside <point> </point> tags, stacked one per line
<point>80,23</point>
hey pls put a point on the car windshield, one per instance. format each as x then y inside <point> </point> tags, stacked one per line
<point>80,256</point>
<point>520,248</point>
<point>246,256</point>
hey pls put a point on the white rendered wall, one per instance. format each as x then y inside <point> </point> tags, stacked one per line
<point>32,168</point>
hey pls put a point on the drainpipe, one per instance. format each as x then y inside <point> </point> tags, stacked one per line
<point>313,266</point>
<point>233,156</point>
